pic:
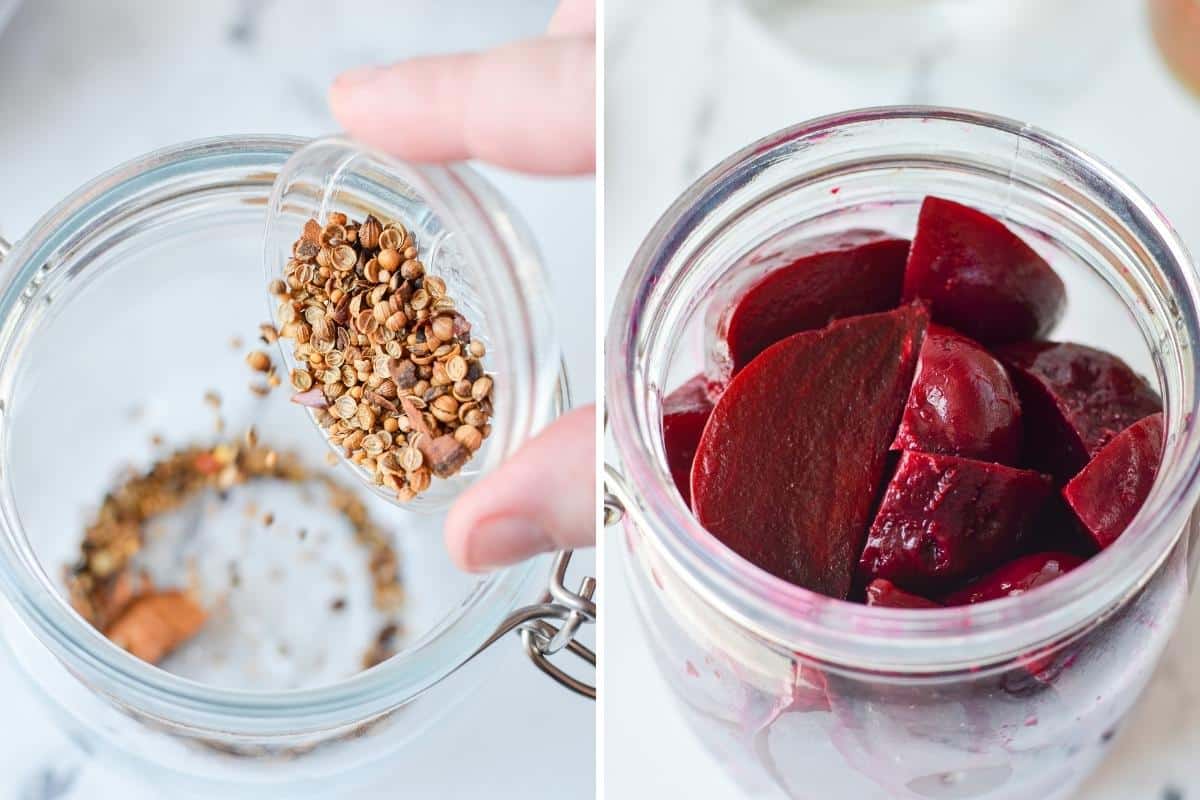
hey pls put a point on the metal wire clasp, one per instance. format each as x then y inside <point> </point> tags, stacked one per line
<point>549,626</point>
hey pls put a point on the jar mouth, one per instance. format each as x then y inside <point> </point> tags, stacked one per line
<point>175,174</point>
<point>849,634</point>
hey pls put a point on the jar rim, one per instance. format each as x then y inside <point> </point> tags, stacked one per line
<point>851,634</point>
<point>431,658</point>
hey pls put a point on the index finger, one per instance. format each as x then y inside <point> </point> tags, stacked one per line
<point>528,106</point>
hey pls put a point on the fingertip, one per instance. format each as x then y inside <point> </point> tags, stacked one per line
<point>357,77</point>
<point>543,498</point>
<point>343,95</point>
<point>457,546</point>
<point>500,540</point>
<point>573,18</point>
<point>482,535</point>
<point>457,534</point>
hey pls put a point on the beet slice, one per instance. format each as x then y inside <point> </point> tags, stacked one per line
<point>1015,577</point>
<point>1074,399</point>
<point>825,278</point>
<point>962,402</point>
<point>979,277</point>
<point>793,455</point>
<point>944,519</point>
<point>887,594</point>
<point>685,411</point>
<point>1108,492</point>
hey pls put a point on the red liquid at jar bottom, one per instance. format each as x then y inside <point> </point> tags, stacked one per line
<point>813,732</point>
<point>1176,26</point>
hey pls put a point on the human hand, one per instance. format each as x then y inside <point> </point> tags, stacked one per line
<point>528,106</point>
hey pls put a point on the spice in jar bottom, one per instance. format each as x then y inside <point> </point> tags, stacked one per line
<point>386,360</point>
<point>107,589</point>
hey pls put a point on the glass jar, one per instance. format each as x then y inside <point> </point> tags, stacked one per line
<point>944,50</point>
<point>116,313</point>
<point>806,696</point>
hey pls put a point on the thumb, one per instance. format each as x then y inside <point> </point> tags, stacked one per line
<point>543,498</point>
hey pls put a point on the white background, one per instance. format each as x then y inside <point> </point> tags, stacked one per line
<point>86,85</point>
<point>689,82</point>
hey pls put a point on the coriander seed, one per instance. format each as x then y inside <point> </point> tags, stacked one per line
<point>258,361</point>
<point>388,259</point>
<point>301,380</point>
<point>469,436</point>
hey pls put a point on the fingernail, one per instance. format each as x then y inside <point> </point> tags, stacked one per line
<point>500,541</point>
<point>359,76</point>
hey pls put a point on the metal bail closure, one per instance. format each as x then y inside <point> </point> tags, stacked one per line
<point>549,626</point>
<point>616,496</point>
<point>5,247</point>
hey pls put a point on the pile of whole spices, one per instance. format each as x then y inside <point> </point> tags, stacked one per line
<point>387,362</point>
<point>149,622</point>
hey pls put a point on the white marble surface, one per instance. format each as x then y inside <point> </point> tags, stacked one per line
<point>85,86</point>
<point>689,82</point>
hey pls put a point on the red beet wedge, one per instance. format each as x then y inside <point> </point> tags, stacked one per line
<point>793,455</point>
<point>979,277</point>
<point>887,594</point>
<point>1108,492</point>
<point>685,411</point>
<point>962,403</point>
<point>944,519</point>
<point>1074,399</point>
<point>826,278</point>
<point>1015,577</point>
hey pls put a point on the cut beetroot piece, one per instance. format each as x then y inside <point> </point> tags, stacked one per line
<point>979,277</point>
<point>793,455</point>
<point>1015,577</point>
<point>1074,399</point>
<point>962,402</point>
<point>944,519</point>
<point>825,278</point>
<point>888,594</point>
<point>685,411</point>
<point>1108,492</point>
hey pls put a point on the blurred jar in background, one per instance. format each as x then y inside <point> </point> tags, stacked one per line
<point>1023,55</point>
<point>7,7</point>
<point>1176,25</point>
